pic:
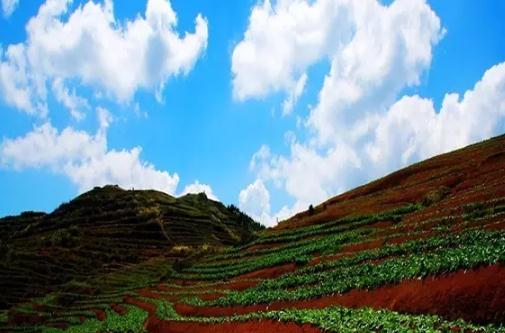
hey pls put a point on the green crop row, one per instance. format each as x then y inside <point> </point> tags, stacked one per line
<point>368,276</point>
<point>309,274</point>
<point>335,226</point>
<point>307,243</point>
<point>132,321</point>
<point>343,320</point>
<point>301,255</point>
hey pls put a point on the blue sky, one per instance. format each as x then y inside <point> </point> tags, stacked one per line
<point>216,120</point>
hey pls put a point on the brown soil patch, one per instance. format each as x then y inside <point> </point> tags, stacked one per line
<point>268,273</point>
<point>363,246</point>
<point>406,238</point>
<point>210,297</point>
<point>149,307</point>
<point>477,295</point>
<point>118,309</point>
<point>100,315</point>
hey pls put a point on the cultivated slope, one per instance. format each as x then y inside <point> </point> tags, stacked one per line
<point>421,250</point>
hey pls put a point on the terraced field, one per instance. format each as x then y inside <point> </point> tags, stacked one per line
<point>421,250</point>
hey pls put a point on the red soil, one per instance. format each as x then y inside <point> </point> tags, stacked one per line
<point>362,246</point>
<point>100,315</point>
<point>477,295</point>
<point>406,238</point>
<point>118,309</point>
<point>268,273</point>
<point>210,297</point>
<point>149,307</point>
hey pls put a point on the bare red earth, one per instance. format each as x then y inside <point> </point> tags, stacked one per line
<point>100,315</point>
<point>118,309</point>
<point>477,295</point>
<point>268,273</point>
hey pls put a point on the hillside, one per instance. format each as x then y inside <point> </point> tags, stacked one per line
<point>107,229</point>
<point>420,250</point>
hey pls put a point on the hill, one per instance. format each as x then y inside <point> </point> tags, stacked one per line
<point>106,229</point>
<point>420,250</point>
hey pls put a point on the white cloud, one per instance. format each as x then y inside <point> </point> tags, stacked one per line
<point>408,131</point>
<point>84,158</point>
<point>413,130</point>
<point>76,105</point>
<point>15,82</point>
<point>254,200</point>
<point>293,95</point>
<point>196,188</point>
<point>90,46</point>
<point>374,51</point>
<point>9,6</point>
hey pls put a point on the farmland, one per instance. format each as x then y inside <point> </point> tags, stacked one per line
<point>420,250</point>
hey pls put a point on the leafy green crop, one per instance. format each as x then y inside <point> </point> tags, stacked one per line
<point>132,321</point>
<point>487,248</point>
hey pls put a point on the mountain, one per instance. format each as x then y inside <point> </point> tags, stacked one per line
<point>420,250</point>
<point>104,230</point>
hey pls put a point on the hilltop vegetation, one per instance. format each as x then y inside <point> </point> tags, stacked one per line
<point>420,250</point>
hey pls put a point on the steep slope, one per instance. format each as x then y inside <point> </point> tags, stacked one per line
<point>106,229</point>
<point>420,250</point>
<point>456,177</point>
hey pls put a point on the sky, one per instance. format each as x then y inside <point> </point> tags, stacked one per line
<point>268,105</point>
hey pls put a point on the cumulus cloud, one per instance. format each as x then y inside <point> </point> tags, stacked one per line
<point>255,201</point>
<point>9,6</point>
<point>197,187</point>
<point>16,87</point>
<point>411,129</point>
<point>90,46</point>
<point>293,95</point>
<point>85,159</point>
<point>374,51</point>
<point>75,104</point>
